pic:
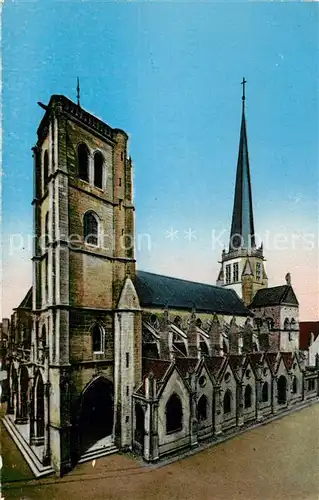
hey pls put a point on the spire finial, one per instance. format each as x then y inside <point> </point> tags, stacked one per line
<point>243,84</point>
<point>78,91</point>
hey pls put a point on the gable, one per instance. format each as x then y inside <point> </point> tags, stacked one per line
<point>129,299</point>
<point>274,296</point>
<point>173,382</point>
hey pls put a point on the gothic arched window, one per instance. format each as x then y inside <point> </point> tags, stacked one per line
<point>294,385</point>
<point>202,408</point>
<point>174,414</point>
<point>270,323</point>
<point>91,228</point>
<point>227,402</point>
<point>43,335</point>
<point>45,168</point>
<point>97,339</point>
<point>46,229</point>
<point>286,324</point>
<point>83,162</point>
<point>98,169</point>
<point>265,390</point>
<point>248,393</point>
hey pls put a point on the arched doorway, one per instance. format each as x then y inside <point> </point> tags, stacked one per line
<point>39,410</point>
<point>96,413</point>
<point>24,383</point>
<point>282,390</point>
<point>174,414</point>
<point>139,425</point>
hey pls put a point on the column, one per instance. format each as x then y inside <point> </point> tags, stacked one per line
<point>218,411</point>
<point>240,405</point>
<point>259,415</point>
<point>46,452</point>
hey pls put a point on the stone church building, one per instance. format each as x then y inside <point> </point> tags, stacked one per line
<point>104,357</point>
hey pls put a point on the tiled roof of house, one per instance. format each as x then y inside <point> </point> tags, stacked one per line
<point>287,357</point>
<point>306,328</point>
<point>272,359</point>
<point>274,296</point>
<point>184,365</point>
<point>155,290</point>
<point>156,367</point>
<point>253,358</point>
<point>214,365</point>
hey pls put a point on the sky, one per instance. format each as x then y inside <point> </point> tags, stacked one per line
<point>169,74</point>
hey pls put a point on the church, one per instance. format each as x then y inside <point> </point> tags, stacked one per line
<point>105,357</point>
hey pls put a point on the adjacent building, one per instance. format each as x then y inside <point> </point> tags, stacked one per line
<point>104,356</point>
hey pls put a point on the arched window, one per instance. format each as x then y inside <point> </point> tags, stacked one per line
<point>45,168</point>
<point>43,336</point>
<point>248,392</point>
<point>227,402</point>
<point>97,339</point>
<point>46,229</point>
<point>258,322</point>
<point>294,384</point>
<point>98,169</point>
<point>286,324</point>
<point>91,228</point>
<point>265,391</point>
<point>270,323</point>
<point>46,279</point>
<point>281,390</point>
<point>83,162</point>
<point>174,414</point>
<point>202,408</point>
<point>293,323</point>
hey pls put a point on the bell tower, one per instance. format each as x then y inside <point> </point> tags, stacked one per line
<point>83,254</point>
<point>242,266</point>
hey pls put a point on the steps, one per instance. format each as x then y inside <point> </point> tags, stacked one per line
<point>97,452</point>
<point>38,469</point>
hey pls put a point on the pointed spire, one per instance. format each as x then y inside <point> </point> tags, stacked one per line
<point>242,229</point>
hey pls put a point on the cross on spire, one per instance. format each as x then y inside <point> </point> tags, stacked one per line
<point>243,84</point>
<point>78,91</point>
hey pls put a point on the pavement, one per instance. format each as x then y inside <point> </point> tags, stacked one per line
<point>277,461</point>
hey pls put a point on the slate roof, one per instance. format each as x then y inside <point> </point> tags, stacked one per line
<point>272,359</point>
<point>235,361</point>
<point>158,367</point>
<point>155,290</point>
<point>254,358</point>
<point>306,328</point>
<point>214,365</point>
<point>274,296</point>
<point>242,228</point>
<point>287,357</point>
<point>184,365</point>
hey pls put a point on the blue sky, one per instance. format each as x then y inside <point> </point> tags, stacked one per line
<point>169,74</point>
